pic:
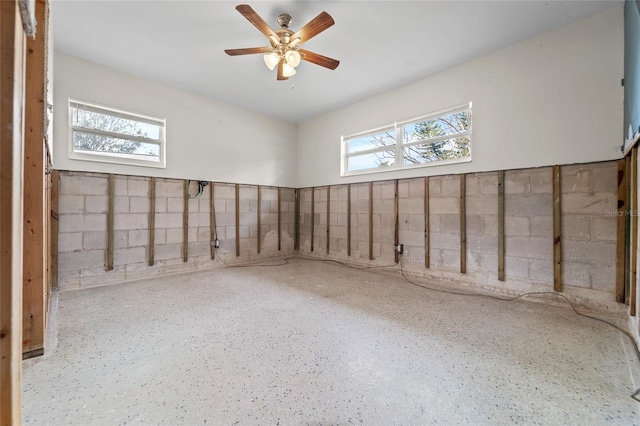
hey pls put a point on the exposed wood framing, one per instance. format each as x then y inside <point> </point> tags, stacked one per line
<point>370,220</point>
<point>212,220</point>
<point>348,219</point>
<point>627,231</point>
<point>35,250</point>
<point>237,220</point>
<point>259,217</point>
<point>152,221</point>
<point>557,231</point>
<point>328,218</point>
<point>621,233</point>
<point>279,218</point>
<point>55,226</point>
<point>313,214</point>
<point>634,229</point>
<point>296,221</point>
<point>396,221</point>
<point>12,51</point>
<point>501,225</point>
<point>426,222</point>
<point>185,222</point>
<point>463,224</point>
<point>110,221</point>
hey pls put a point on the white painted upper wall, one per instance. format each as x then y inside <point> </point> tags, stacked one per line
<point>206,139</point>
<point>552,99</point>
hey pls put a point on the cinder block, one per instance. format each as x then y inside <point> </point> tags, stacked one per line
<point>444,241</point>
<point>576,227</point>
<point>491,225</point>
<point>139,205</point>
<point>138,187</point>
<point>516,267</point>
<point>138,237</point>
<point>541,271</point>
<point>541,180</point>
<point>245,205</point>
<point>475,224</point>
<point>575,178</point>
<point>71,204</point>
<point>120,186</point>
<point>516,226</point>
<point>387,190</point>
<point>411,205</point>
<point>541,226</point>
<point>435,186</point>
<point>516,182</point>
<point>451,186</point>
<point>482,204</point>
<point>168,220</point>
<point>130,255</point>
<point>96,203</point>
<point>79,260</point>
<point>83,184</point>
<point>168,251</point>
<point>450,259</point>
<point>603,277</point>
<point>82,222</point>
<point>120,239</point>
<point>416,223</point>
<point>482,243</point>
<point>169,188</point>
<point>589,252</point>
<point>447,205</point>
<point>529,247</point>
<point>489,183</point>
<point>94,240</point>
<point>450,224</point>
<point>70,241</point>
<point>175,205</point>
<point>161,205</point>
<point>590,204</point>
<point>605,177</point>
<point>575,275</point>
<point>131,221</point>
<point>529,205</point>
<point>175,236</point>
<point>225,192</point>
<point>604,228</point>
<point>121,204</point>
<point>160,236</point>
<point>472,184</point>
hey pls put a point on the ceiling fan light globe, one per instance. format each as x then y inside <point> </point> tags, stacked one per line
<point>293,58</point>
<point>271,60</point>
<point>288,70</point>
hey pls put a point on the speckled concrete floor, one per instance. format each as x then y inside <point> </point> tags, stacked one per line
<point>319,343</point>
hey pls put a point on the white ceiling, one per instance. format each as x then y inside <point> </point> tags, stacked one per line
<point>380,44</point>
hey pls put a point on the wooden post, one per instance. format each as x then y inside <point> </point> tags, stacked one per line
<point>396,221</point>
<point>463,224</point>
<point>152,221</point>
<point>501,225</point>
<point>185,222</point>
<point>212,220</point>
<point>634,227</point>
<point>12,51</point>
<point>370,220</point>
<point>426,221</point>
<point>110,221</point>
<point>620,233</point>
<point>349,219</point>
<point>296,221</point>
<point>259,216</point>
<point>557,232</point>
<point>279,219</point>
<point>627,230</point>
<point>55,226</point>
<point>328,217</point>
<point>34,289</point>
<point>313,214</point>
<point>237,220</point>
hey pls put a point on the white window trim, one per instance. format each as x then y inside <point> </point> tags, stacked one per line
<point>115,158</point>
<point>400,144</point>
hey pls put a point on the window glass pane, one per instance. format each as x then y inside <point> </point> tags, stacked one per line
<point>448,149</point>
<point>120,147</point>
<point>114,124</point>
<point>450,124</point>
<point>378,140</point>
<point>371,161</point>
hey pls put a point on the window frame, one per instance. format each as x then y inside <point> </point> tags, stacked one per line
<point>117,158</point>
<point>400,144</point>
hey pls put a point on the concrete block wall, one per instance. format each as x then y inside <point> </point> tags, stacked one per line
<point>588,220</point>
<point>83,204</point>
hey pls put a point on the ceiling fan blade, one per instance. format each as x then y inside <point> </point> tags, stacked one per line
<point>281,71</point>
<point>251,15</point>
<point>312,29</point>
<point>317,59</point>
<point>248,51</point>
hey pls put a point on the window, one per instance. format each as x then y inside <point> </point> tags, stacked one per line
<point>439,138</point>
<point>99,133</point>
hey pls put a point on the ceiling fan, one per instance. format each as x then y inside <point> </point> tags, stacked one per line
<point>284,51</point>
